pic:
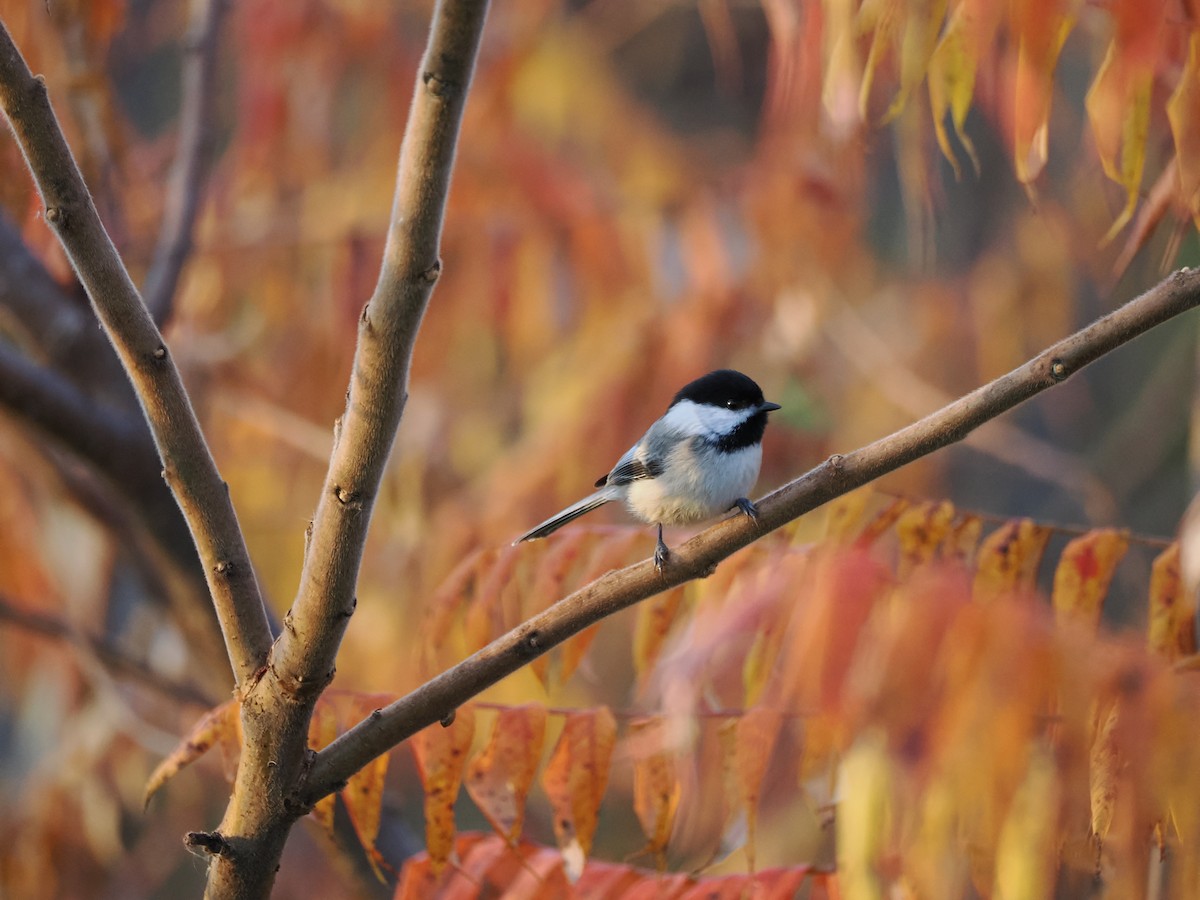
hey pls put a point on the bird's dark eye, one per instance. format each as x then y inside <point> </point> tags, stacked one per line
<point>733,404</point>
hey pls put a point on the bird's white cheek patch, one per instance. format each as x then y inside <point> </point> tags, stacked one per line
<point>692,418</point>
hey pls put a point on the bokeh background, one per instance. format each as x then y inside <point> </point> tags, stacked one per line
<point>643,192</point>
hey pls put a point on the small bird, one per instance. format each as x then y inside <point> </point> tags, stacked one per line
<point>700,459</point>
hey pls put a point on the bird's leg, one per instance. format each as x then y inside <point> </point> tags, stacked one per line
<point>660,551</point>
<point>748,508</point>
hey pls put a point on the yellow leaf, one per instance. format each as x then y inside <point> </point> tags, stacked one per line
<point>963,539</point>
<point>881,18</point>
<point>844,515</point>
<point>843,69</point>
<point>220,725</point>
<point>1118,108</point>
<point>1008,559</point>
<point>1171,629</point>
<point>864,817</point>
<point>952,70</point>
<point>921,531</point>
<point>1084,573</point>
<point>922,22</point>
<point>1028,846</point>
<point>1103,771</point>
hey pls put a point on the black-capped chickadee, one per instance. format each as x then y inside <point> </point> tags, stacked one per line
<point>699,460</point>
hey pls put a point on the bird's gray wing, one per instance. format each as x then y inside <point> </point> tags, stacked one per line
<point>645,459</point>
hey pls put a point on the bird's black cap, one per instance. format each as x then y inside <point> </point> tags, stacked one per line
<point>725,388</point>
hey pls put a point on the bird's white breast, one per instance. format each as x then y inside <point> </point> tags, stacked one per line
<point>698,482</point>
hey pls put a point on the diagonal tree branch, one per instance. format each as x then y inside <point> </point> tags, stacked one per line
<point>192,158</point>
<point>188,465</point>
<point>438,698</point>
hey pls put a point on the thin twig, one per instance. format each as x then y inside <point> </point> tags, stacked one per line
<point>188,465</point>
<point>113,658</point>
<point>191,166</point>
<point>435,699</point>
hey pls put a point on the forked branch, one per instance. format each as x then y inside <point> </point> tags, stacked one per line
<point>436,699</point>
<point>387,333</point>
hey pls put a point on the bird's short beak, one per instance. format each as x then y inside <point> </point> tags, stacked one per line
<point>767,407</point>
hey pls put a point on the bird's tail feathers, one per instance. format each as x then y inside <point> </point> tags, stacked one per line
<point>570,514</point>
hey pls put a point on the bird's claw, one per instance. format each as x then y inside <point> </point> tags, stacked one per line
<point>748,508</point>
<point>660,556</point>
<point>660,552</point>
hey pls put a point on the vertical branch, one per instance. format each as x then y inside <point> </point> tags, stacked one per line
<point>191,160</point>
<point>188,465</point>
<point>304,656</point>
<point>267,794</point>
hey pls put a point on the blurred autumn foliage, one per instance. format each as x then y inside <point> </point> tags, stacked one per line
<point>869,206</point>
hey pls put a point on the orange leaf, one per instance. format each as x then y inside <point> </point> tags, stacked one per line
<point>609,554</point>
<point>441,754</point>
<point>1008,559</point>
<point>322,729</point>
<point>486,616</point>
<point>1172,617</point>
<point>882,521</point>
<point>499,778</point>
<point>451,594</point>
<point>1183,110</point>
<point>575,780</point>
<point>832,605</point>
<point>1041,28</point>
<point>749,741</point>
<point>656,785</point>
<point>553,568</point>
<point>655,617</point>
<point>573,651</point>
<point>1118,103</point>
<point>1084,573</point>
<point>222,724</point>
